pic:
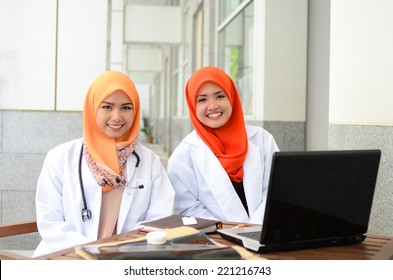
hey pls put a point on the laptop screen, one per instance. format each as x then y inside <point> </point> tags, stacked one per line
<point>319,194</point>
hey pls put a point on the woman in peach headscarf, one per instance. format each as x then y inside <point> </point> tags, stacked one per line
<point>221,169</point>
<point>106,182</point>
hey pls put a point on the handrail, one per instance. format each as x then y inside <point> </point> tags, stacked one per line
<point>18,228</point>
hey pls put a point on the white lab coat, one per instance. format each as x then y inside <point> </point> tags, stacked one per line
<point>59,200</point>
<point>203,188</point>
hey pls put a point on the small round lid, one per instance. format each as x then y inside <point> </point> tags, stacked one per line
<point>156,237</point>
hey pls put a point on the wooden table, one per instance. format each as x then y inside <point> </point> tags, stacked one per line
<point>373,247</point>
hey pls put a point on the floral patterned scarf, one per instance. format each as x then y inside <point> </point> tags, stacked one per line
<point>105,177</point>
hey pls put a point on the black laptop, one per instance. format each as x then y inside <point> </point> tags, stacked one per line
<point>315,199</point>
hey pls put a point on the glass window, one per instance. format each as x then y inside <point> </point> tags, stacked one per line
<point>226,7</point>
<point>236,51</point>
<point>198,39</point>
<point>184,66</point>
<point>187,33</point>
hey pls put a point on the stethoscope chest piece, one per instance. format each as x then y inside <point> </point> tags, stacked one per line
<point>86,214</point>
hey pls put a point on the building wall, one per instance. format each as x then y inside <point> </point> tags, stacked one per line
<point>344,137</point>
<point>49,55</point>
<point>289,136</point>
<point>360,91</point>
<point>349,88</point>
<point>25,138</point>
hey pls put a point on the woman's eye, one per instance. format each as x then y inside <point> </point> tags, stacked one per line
<point>127,108</point>
<point>201,100</point>
<point>221,96</point>
<point>106,107</point>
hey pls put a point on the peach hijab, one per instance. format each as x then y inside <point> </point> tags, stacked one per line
<point>229,143</point>
<point>106,156</point>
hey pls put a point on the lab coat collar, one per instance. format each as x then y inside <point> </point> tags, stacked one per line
<point>219,183</point>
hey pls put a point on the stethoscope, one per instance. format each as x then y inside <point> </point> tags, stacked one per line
<point>86,213</point>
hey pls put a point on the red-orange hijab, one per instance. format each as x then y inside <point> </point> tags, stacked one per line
<point>229,142</point>
<point>102,148</point>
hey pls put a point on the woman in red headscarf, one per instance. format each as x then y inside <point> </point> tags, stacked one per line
<point>221,169</point>
<point>106,182</point>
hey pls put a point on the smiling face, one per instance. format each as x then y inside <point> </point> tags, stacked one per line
<point>213,107</point>
<point>115,114</point>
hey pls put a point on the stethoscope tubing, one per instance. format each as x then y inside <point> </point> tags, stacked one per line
<point>86,213</point>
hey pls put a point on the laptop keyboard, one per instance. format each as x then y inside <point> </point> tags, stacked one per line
<point>256,235</point>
